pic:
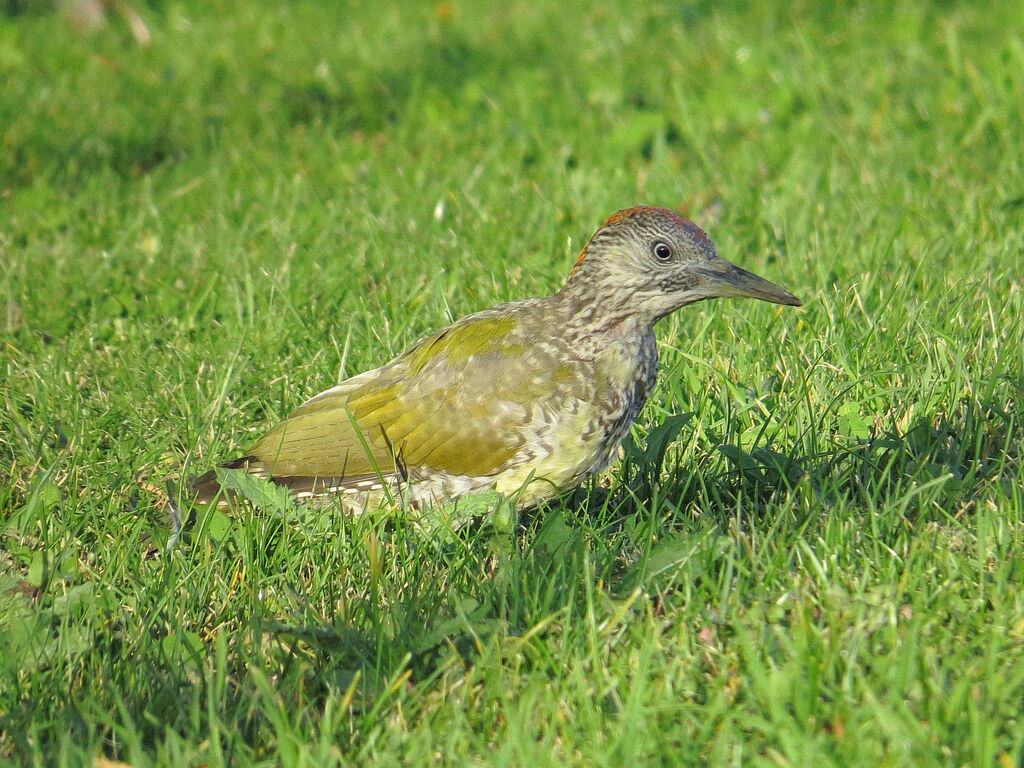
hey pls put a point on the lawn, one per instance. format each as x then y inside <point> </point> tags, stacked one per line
<point>812,549</point>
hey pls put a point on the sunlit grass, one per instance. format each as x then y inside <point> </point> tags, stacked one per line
<point>812,551</point>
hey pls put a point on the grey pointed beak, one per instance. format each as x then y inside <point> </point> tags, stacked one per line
<point>725,279</point>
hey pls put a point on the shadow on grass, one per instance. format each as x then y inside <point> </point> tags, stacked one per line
<point>961,452</point>
<point>425,611</point>
<point>597,535</point>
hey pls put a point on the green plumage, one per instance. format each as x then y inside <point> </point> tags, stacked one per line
<point>434,406</point>
<point>525,398</point>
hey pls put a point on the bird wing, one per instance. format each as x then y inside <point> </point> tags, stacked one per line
<point>461,401</point>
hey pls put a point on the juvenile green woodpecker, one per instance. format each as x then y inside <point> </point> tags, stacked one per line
<point>526,398</point>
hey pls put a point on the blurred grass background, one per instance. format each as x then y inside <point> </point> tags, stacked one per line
<point>813,549</point>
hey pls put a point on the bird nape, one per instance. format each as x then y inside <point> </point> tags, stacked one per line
<point>524,399</point>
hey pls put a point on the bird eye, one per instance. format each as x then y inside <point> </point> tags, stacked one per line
<point>662,251</point>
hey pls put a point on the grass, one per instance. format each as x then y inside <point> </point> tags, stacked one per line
<point>813,549</point>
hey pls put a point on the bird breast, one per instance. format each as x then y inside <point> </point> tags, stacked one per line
<point>628,372</point>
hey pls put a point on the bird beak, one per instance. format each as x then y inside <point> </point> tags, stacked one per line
<point>724,280</point>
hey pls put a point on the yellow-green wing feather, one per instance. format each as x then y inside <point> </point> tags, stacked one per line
<point>322,439</point>
<point>457,402</point>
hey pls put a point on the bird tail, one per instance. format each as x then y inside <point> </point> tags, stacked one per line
<point>206,488</point>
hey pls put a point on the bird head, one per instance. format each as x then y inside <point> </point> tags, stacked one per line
<point>651,261</point>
